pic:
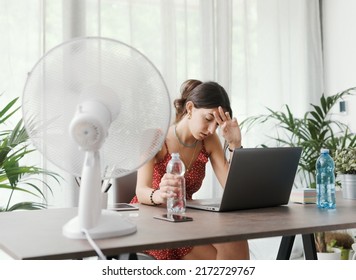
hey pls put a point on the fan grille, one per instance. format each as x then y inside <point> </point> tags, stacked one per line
<point>60,79</point>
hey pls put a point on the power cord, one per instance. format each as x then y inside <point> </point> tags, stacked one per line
<point>94,245</point>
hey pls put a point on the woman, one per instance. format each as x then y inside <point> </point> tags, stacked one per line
<point>202,108</point>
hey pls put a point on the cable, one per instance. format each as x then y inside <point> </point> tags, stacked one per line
<point>93,244</point>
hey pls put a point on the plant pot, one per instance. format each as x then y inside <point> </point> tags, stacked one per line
<point>346,254</point>
<point>348,185</point>
<point>334,255</point>
<point>351,254</point>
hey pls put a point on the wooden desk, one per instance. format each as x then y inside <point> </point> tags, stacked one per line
<point>38,234</point>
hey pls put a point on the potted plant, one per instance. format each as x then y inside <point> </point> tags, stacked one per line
<point>337,244</point>
<point>315,130</point>
<point>324,250</point>
<point>345,167</point>
<point>341,240</point>
<point>14,176</point>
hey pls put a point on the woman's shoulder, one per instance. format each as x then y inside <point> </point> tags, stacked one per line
<point>212,142</point>
<point>163,155</point>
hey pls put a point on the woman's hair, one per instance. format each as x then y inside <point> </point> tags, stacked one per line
<point>203,95</point>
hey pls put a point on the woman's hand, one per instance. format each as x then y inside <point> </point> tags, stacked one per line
<point>169,187</point>
<point>229,128</point>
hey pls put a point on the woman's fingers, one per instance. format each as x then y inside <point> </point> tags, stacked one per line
<point>169,191</point>
<point>169,185</point>
<point>220,116</point>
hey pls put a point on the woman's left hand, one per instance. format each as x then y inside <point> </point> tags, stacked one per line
<point>229,128</point>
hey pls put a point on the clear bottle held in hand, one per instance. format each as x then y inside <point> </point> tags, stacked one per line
<point>325,181</point>
<point>177,205</point>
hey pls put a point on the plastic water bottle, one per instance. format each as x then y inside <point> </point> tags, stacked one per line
<point>325,181</point>
<point>176,205</point>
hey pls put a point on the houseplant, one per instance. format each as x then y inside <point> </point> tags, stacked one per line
<point>14,176</point>
<point>337,242</point>
<point>345,166</point>
<point>342,240</point>
<point>315,130</point>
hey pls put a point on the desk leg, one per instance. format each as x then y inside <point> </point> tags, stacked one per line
<point>285,248</point>
<point>309,246</point>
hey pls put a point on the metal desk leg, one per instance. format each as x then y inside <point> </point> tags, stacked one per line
<point>285,248</point>
<point>309,246</point>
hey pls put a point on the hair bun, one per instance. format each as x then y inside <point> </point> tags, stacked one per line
<point>185,90</point>
<point>188,86</point>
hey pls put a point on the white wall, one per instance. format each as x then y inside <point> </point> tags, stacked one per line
<point>339,34</point>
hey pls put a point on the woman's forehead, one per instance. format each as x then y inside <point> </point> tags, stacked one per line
<point>208,111</point>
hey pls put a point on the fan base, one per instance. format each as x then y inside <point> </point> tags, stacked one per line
<point>111,224</point>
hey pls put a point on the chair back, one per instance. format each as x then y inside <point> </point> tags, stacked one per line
<point>124,188</point>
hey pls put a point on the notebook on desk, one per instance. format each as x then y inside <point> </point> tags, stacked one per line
<point>257,178</point>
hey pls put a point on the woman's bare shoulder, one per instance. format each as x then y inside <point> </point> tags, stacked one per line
<point>212,142</point>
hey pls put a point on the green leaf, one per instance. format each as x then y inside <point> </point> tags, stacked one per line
<point>14,176</point>
<point>5,110</point>
<point>27,206</point>
<point>315,130</point>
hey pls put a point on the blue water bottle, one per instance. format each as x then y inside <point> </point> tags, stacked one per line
<point>325,181</point>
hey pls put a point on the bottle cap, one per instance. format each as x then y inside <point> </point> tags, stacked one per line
<point>323,151</point>
<point>175,155</point>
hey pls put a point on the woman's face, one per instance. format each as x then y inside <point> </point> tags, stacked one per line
<point>203,122</point>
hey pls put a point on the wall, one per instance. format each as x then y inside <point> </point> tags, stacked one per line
<point>339,39</point>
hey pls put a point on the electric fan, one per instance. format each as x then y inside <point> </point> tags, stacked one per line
<point>98,109</point>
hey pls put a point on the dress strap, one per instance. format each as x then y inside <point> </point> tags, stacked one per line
<point>165,144</point>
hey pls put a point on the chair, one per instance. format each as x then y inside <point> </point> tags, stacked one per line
<point>124,188</point>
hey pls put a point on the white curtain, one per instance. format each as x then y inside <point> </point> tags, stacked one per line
<point>264,52</point>
<point>278,58</point>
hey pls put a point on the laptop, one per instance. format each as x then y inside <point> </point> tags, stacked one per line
<point>257,178</point>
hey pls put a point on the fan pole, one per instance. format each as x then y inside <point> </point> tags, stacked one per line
<point>90,191</point>
<point>97,222</point>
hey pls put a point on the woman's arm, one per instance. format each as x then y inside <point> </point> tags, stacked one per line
<point>231,132</point>
<point>144,184</point>
<point>146,194</point>
<point>217,158</point>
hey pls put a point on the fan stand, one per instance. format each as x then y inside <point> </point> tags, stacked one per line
<point>110,224</point>
<point>91,217</point>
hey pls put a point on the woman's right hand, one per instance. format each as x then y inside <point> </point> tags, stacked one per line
<point>169,186</point>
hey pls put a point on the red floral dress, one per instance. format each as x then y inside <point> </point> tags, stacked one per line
<point>193,181</point>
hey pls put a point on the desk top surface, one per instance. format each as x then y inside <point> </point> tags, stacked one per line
<point>38,234</point>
